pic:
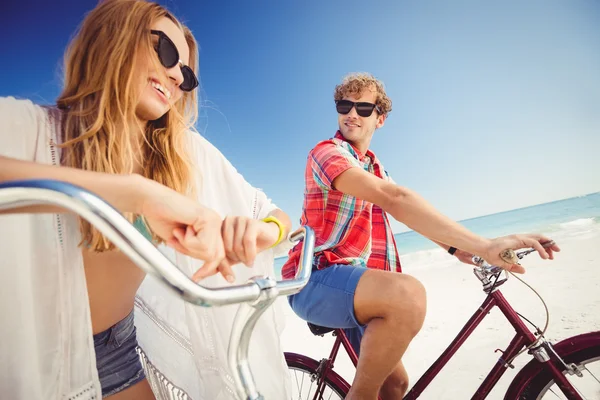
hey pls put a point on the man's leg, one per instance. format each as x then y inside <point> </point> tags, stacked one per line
<point>393,308</point>
<point>395,385</point>
<point>328,298</point>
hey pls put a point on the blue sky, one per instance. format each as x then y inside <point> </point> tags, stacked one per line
<point>495,104</point>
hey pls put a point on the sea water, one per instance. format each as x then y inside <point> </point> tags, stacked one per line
<point>562,219</point>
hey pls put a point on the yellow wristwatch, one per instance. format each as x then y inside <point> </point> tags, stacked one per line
<point>271,218</point>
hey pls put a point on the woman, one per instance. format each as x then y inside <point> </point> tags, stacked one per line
<point>122,128</point>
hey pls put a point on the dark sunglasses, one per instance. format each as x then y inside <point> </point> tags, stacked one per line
<point>169,57</point>
<point>363,109</point>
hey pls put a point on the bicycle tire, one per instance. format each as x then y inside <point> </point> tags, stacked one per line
<point>539,384</point>
<point>309,366</point>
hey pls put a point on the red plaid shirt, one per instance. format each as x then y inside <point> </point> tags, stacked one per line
<point>348,230</point>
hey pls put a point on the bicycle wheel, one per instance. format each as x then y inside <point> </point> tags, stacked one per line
<point>542,386</point>
<point>303,373</point>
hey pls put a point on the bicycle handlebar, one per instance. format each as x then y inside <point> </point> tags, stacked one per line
<point>486,267</point>
<point>132,243</point>
<point>255,296</point>
<point>485,271</point>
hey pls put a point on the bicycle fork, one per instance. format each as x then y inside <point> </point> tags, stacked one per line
<point>544,352</point>
<point>539,347</point>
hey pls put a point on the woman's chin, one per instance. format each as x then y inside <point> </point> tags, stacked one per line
<point>151,112</point>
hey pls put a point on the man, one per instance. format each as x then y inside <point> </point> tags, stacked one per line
<point>356,282</point>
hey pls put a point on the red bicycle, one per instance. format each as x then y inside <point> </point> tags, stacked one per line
<point>568,369</point>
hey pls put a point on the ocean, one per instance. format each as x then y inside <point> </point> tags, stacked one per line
<point>560,219</point>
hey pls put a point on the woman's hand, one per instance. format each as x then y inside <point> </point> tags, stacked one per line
<point>244,238</point>
<point>184,225</point>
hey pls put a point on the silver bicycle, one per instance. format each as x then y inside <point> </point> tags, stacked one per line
<point>255,296</point>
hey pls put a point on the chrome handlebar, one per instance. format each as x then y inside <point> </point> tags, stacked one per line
<point>258,293</point>
<point>485,271</point>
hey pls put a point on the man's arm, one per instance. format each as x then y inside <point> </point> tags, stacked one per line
<point>463,256</point>
<point>442,245</point>
<point>409,208</point>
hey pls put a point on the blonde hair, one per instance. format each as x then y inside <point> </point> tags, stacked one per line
<point>355,84</point>
<point>100,95</point>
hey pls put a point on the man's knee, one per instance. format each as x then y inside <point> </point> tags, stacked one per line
<point>395,297</point>
<point>409,301</point>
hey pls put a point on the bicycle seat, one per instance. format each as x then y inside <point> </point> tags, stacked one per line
<point>319,330</point>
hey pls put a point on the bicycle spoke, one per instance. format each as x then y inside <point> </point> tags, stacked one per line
<point>552,391</point>
<point>561,397</point>
<point>592,374</point>
<point>587,385</point>
<point>307,387</point>
<point>310,391</point>
<point>303,376</point>
<point>298,387</point>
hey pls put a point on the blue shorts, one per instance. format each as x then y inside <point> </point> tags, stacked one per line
<point>117,360</point>
<point>328,300</point>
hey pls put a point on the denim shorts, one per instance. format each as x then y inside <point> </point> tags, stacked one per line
<point>328,300</point>
<point>117,360</point>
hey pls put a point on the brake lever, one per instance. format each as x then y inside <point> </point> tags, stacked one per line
<point>545,245</point>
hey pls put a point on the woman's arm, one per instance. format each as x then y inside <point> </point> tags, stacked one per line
<point>166,211</point>
<point>271,232</point>
<point>124,192</point>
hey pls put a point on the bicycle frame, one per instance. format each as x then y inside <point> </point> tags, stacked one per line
<point>340,340</point>
<point>523,337</point>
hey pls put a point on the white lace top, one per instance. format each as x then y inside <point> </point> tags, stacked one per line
<point>46,346</point>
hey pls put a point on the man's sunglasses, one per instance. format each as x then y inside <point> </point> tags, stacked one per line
<point>169,57</point>
<point>363,109</point>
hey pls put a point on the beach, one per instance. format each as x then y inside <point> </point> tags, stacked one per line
<point>570,286</point>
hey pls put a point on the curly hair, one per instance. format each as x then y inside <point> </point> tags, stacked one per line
<point>355,84</point>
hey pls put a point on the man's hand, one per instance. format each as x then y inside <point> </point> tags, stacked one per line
<point>516,242</point>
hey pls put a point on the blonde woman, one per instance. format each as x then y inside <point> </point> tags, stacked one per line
<point>122,128</point>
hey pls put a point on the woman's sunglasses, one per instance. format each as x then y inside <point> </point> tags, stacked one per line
<point>169,57</point>
<point>363,109</point>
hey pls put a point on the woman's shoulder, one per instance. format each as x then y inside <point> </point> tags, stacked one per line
<point>13,103</point>
<point>204,150</point>
<point>22,124</point>
<point>209,159</point>
<point>20,110</point>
